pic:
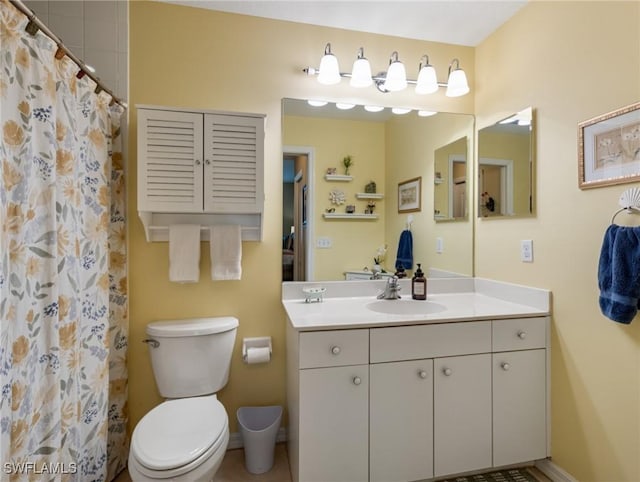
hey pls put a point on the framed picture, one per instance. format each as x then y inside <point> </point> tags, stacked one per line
<point>409,195</point>
<point>609,148</point>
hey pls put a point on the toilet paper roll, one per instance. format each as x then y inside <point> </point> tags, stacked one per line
<point>258,355</point>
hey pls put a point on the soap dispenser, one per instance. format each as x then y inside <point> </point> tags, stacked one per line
<point>419,285</point>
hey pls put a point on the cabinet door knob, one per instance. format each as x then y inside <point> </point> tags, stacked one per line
<point>207,162</point>
<point>505,366</point>
<point>447,371</point>
<point>522,334</point>
<point>357,380</point>
<point>422,374</point>
<point>197,162</point>
<point>335,350</point>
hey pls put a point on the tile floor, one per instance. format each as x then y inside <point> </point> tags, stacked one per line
<point>232,469</point>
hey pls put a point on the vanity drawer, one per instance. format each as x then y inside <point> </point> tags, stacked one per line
<point>334,348</point>
<point>519,334</point>
<point>430,341</point>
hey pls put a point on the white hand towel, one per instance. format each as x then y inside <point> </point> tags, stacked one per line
<point>226,252</point>
<point>184,253</point>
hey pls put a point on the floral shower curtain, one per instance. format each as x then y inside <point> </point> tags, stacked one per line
<point>63,288</point>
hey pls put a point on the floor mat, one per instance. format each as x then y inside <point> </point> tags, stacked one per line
<point>511,475</point>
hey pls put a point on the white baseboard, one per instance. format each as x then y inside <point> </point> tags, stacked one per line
<point>235,439</point>
<point>553,471</point>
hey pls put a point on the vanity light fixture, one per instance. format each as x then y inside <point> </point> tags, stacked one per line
<point>361,71</point>
<point>329,71</point>
<point>373,108</point>
<point>457,84</point>
<point>344,106</point>
<point>394,79</point>
<point>426,113</point>
<point>317,103</point>
<point>400,110</point>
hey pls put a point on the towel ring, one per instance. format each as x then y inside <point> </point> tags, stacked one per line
<point>630,202</point>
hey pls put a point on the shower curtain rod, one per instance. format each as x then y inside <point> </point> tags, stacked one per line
<point>36,24</point>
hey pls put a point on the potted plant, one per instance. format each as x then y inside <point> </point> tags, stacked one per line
<point>347,162</point>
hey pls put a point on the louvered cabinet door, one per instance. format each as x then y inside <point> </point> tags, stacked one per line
<point>169,161</point>
<point>233,170</point>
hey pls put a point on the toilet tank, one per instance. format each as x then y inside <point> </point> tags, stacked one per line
<point>191,357</point>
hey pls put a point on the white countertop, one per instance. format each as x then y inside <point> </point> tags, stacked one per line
<point>345,303</point>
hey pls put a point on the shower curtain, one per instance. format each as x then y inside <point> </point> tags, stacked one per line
<point>63,285</point>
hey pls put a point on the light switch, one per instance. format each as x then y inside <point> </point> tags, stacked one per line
<point>439,245</point>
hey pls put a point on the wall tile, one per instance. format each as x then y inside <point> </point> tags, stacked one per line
<point>67,8</point>
<point>69,29</point>
<point>101,10</point>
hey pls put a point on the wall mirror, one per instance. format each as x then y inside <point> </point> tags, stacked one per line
<point>451,191</point>
<point>506,167</point>
<point>338,220</point>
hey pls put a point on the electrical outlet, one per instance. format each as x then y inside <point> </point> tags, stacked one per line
<point>526,251</point>
<point>439,245</point>
<point>324,242</point>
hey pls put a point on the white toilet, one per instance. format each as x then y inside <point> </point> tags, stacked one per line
<point>185,437</point>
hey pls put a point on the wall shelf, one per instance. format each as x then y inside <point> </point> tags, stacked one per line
<point>438,180</point>
<point>349,216</point>
<point>369,195</point>
<point>338,177</point>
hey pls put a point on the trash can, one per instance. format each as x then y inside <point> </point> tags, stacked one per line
<point>259,429</point>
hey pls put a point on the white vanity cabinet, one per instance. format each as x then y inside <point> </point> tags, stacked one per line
<point>414,402</point>
<point>401,413</point>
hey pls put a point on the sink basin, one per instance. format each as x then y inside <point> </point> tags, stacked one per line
<point>405,307</point>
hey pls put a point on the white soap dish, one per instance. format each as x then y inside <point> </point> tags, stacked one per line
<point>313,293</point>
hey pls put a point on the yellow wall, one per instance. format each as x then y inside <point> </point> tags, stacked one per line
<point>182,56</point>
<point>354,242</point>
<point>571,61</point>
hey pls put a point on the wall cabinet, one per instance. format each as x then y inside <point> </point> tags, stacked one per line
<point>200,162</point>
<point>430,400</point>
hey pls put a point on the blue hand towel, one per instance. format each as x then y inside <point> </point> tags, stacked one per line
<point>619,273</point>
<point>404,258</point>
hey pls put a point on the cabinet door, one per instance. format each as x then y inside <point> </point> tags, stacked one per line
<point>169,161</point>
<point>401,421</point>
<point>334,424</point>
<point>519,406</point>
<point>234,155</point>
<point>462,413</point>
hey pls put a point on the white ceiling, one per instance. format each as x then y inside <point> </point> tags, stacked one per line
<point>461,22</point>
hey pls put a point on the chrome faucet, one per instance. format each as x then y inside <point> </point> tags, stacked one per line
<point>391,290</point>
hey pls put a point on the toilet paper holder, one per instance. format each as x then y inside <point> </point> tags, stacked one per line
<point>256,342</point>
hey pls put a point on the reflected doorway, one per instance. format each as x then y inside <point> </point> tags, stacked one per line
<point>495,187</point>
<point>296,222</point>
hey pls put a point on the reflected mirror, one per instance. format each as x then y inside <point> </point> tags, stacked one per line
<point>340,217</point>
<point>505,167</point>
<point>450,192</point>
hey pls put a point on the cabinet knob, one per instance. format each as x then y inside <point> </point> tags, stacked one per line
<point>422,374</point>
<point>198,162</point>
<point>447,371</point>
<point>357,380</point>
<point>505,366</point>
<point>522,334</point>
<point>207,162</point>
<point>335,350</point>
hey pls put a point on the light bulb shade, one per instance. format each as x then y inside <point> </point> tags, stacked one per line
<point>457,84</point>
<point>400,110</point>
<point>427,82</point>
<point>373,108</point>
<point>396,78</point>
<point>426,113</point>
<point>329,72</point>
<point>361,73</point>
<point>344,106</point>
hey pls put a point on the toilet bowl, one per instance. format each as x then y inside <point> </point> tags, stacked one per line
<point>184,439</point>
<point>181,440</point>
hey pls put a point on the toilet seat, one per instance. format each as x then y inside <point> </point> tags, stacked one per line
<point>178,435</point>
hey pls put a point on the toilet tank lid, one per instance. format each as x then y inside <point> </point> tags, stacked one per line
<point>192,326</point>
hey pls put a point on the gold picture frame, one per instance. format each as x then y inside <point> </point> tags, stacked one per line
<point>609,148</point>
<point>410,195</point>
